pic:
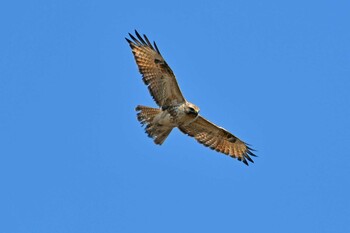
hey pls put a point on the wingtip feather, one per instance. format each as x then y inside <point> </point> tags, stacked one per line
<point>250,159</point>
<point>245,162</point>
<point>139,40</point>
<point>155,45</point>
<point>148,42</point>
<point>134,39</point>
<point>129,41</point>
<point>140,37</point>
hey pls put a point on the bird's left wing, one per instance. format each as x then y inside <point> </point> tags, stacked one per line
<point>218,139</point>
<point>156,73</point>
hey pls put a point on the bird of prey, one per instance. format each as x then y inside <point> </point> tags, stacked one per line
<point>174,110</point>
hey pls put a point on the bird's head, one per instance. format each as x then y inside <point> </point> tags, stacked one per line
<point>191,109</point>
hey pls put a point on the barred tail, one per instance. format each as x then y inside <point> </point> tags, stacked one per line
<point>146,116</point>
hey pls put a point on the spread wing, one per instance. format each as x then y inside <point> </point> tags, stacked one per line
<point>156,73</point>
<point>218,139</point>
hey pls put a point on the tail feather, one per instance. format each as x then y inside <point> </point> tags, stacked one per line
<point>146,116</point>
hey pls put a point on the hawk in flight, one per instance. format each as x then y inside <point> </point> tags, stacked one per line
<point>174,110</point>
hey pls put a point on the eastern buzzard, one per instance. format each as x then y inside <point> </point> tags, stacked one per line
<point>174,110</point>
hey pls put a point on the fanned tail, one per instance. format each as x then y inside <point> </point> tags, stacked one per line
<point>146,116</point>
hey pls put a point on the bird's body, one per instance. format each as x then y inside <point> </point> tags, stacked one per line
<point>183,114</point>
<point>164,120</point>
<point>174,110</point>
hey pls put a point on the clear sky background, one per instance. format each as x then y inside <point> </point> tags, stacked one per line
<point>73,157</point>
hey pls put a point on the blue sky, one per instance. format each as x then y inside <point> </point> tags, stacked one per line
<point>73,157</point>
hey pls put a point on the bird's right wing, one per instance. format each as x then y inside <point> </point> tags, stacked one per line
<point>156,73</point>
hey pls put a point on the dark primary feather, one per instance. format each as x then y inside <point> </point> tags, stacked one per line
<point>140,37</point>
<point>155,45</point>
<point>149,43</point>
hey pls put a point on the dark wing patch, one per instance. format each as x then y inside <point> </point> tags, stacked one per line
<point>218,139</point>
<point>156,73</point>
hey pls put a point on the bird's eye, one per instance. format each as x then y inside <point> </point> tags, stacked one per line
<point>192,111</point>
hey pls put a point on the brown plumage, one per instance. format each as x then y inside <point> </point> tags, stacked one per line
<point>174,110</point>
<point>218,139</point>
<point>156,73</point>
